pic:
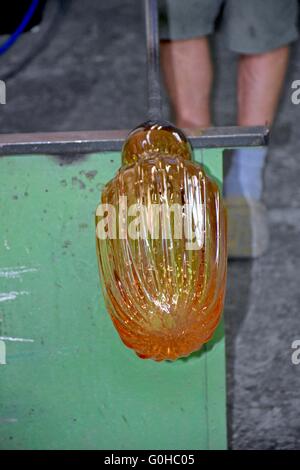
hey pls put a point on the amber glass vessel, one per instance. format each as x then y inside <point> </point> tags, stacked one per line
<point>162,250</point>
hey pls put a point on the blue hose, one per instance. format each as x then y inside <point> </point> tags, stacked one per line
<point>13,38</point>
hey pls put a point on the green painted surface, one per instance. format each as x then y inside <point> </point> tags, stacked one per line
<point>75,386</point>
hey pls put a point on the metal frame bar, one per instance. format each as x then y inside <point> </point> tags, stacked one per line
<point>58,143</point>
<point>153,65</point>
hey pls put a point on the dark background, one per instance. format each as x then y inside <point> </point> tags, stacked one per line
<point>86,69</point>
<point>12,11</point>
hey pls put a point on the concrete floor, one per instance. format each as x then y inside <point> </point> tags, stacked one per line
<point>87,70</point>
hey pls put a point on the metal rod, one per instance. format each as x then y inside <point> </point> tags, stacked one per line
<point>59,143</point>
<point>152,37</point>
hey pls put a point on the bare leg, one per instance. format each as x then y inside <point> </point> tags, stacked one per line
<point>260,80</point>
<point>188,76</point>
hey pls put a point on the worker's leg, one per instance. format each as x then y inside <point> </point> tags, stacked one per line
<point>260,80</point>
<point>187,69</point>
<point>260,32</point>
<point>185,57</point>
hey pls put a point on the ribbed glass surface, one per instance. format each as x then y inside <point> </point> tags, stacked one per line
<point>164,277</point>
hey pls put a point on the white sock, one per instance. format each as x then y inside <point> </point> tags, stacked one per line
<point>245,176</point>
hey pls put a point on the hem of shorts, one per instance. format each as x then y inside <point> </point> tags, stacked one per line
<point>172,36</point>
<point>282,41</point>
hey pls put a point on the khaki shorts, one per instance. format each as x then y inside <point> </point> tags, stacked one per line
<point>248,26</point>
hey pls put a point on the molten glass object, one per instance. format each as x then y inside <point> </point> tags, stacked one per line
<point>161,246</point>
